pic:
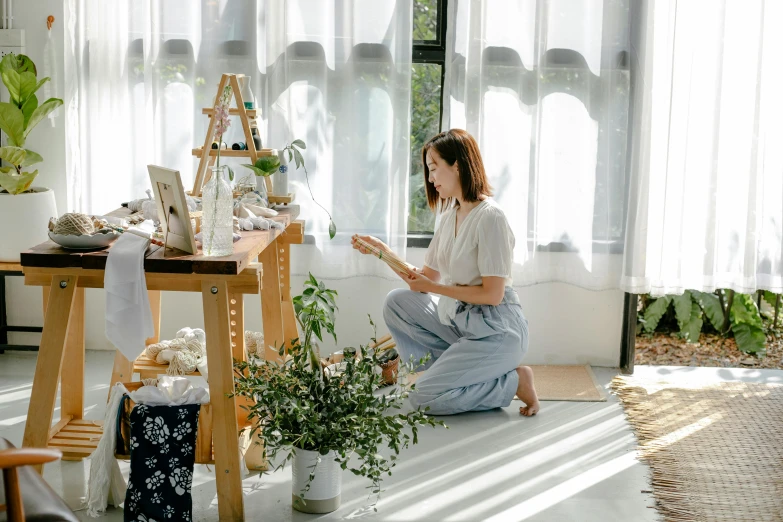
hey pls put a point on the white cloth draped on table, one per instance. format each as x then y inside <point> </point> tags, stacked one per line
<point>128,312</point>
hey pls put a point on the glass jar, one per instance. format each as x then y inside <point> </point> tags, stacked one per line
<point>217,220</point>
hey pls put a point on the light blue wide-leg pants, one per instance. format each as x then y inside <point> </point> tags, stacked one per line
<point>473,359</point>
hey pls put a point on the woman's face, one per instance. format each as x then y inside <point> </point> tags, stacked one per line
<point>445,177</point>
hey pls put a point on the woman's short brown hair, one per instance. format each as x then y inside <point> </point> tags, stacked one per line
<point>458,146</point>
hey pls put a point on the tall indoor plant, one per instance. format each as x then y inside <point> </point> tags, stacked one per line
<point>325,418</point>
<point>24,210</point>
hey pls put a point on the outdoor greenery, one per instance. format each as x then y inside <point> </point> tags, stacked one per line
<point>425,115</point>
<point>727,313</point>
<point>298,404</point>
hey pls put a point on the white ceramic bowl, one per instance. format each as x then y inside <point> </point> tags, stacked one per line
<point>84,242</point>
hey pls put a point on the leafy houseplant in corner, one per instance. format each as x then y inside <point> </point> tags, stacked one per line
<point>24,210</point>
<point>327,422</point>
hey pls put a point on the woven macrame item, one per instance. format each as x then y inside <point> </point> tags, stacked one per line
<point>181,353</point>
<point>254,344</point>
<point>74,224</point>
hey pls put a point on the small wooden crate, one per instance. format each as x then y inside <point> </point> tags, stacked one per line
<point>203,435</point>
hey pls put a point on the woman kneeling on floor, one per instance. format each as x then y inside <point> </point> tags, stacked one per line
<point>473,325</point>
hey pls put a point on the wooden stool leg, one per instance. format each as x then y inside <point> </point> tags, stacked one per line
<point>289,317</point>
<point>271,302</point>
<point>217,327</point>
<point>72,377</point>
<point>154,297</point>
<point>50,358</point>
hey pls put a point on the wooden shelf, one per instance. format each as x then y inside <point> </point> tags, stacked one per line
<point>230,153</point>
<point>284,200</point>
<point>251,113</point>
<point>148,368</point>
<point>77,439</point>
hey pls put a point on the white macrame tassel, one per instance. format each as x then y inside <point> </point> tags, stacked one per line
<point>105,474</point>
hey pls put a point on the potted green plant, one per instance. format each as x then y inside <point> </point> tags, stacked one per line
<point>324,419</point>
<point>24,210</point>
<point>268,165</point>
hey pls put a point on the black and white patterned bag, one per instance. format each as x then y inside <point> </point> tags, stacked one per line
<point>162,455</point>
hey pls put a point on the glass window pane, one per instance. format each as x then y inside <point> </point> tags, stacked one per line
<point>425,123</point>
<point>425,20</point>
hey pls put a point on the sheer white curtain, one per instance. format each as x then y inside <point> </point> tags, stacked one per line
<point>543,85</point>
<point>335,74</point>
<point>707,204</point>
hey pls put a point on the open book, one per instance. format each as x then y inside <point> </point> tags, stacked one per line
<point>397,264</point>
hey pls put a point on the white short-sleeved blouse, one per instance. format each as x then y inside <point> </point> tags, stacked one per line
<point>483,247</point>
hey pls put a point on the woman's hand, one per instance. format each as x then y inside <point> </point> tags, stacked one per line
<point>418,282</point>
<point>374,241</point>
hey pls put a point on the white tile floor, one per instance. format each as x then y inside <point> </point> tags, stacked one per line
<point>574,461</point>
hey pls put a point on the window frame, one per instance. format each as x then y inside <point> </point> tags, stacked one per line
<point>431,51</point>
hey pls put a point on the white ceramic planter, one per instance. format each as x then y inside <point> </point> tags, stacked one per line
<point>324,493</point>
<point>24,220</point>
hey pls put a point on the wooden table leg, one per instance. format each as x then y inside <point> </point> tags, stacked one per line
<point>45,290</point>
<point>50,358</point>
<point>271,302</point>
<point>225,433</point>
<point>289,318</point>
<point>154,297</point>
<point>72,376</point>
<point>236,305</point>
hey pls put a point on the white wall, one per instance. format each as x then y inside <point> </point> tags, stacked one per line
<point>568,325</point>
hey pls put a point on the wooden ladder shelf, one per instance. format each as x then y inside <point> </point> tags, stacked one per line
<point>207,154</point>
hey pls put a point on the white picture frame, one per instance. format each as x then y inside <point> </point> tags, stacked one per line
<point>172,209</point>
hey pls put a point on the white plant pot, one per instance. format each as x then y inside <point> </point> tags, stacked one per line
<point>24,221</point>
<point>324,493</point>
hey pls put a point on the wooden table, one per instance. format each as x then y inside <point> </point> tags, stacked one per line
<point>222,281</point>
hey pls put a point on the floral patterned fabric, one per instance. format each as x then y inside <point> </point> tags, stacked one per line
<point>162,455</point>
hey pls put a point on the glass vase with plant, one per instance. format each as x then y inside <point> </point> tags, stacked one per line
<point>217,198</point>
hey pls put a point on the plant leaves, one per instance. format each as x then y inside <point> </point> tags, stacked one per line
<point>256,170</point>
<point>711,306</point>
<point>744,310</point>
<point>17,62</point>
<point>682,308</point>
<point>13,155</point>
<point>20,85</point>
<point>299,143</point>
<point>692,328</point>
<point>16,183</point>
<point>770,298</point>
<point>750,339</point>
<point>29,107</point>
<point>654,312</point>
<point>40,113</point>
<point>12,123</point>
<point>333,230</point>
<point>299,158</point>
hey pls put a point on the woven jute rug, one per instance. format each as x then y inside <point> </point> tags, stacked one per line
<point>716,451</point>
<point>567,383</point>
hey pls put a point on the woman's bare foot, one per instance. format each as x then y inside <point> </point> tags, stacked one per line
<point>526,392</point>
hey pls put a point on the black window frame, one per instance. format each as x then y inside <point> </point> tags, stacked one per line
<point>431,51</point>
